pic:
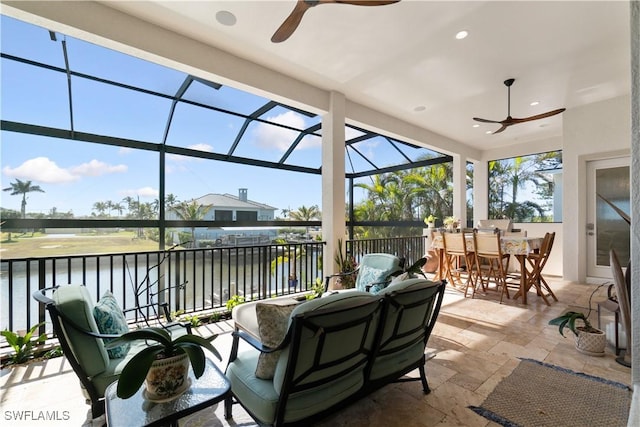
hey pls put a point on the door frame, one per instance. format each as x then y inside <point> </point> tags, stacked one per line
<point>595,273</point>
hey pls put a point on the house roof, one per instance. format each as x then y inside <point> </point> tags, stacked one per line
<point>230,201</point>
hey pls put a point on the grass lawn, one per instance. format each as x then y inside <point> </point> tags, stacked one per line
<point>41,245</point>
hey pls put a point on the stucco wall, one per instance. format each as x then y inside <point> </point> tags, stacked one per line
<point>596,131</point>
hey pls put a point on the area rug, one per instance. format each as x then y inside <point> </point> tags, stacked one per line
<point>540,394</point>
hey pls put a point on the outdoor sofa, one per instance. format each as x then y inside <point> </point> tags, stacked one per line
<point>298,361</point>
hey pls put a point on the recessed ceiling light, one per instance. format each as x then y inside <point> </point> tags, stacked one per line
<point>534,103</point>
<point>488,132</point>
<point>476,126</point>
<point>461,34</point>
<point>419,108</point>
<point>225,17</point>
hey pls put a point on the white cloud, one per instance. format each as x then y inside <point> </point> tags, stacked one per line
<point>43,169</point>
<point>40,169</point>
<point>97,168</point>
<point>125,150</point>
<point>269,136</point>
<point>142,192</point>
<point>200,147</point>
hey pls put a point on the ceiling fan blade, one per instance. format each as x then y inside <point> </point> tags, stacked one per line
<point>365,2</point>
<point>291,23</point>
<point>540,116</point>
<point>501,129</point>
<point>477,119</point>
<point>513,120</point>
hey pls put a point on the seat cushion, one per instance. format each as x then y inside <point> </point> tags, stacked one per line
<point>111,320</point>
<point>273,320</point>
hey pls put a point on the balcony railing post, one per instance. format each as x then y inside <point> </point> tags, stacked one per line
<point>42,283</point>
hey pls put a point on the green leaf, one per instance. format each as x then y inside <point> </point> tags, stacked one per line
<point>134,373</point>
<point>154,334</point>
<point>196,356</point>
<point>195,339</point>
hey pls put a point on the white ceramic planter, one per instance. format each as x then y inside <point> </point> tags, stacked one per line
<point>167,378</point>
<point>591,343</point>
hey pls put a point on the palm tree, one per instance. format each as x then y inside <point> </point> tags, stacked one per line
<point>118,207</point>
<point>306,214</point>
<point>101,207</point>
<point>192,211</point>
<point>511,175</point>
<point>23,187</point>
<point>170,200</point>
<point>133,206</point>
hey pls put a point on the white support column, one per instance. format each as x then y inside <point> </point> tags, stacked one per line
<point>634,415</point>
<point>460,188</point>
<point>480,190</point>
<point>333,179</point>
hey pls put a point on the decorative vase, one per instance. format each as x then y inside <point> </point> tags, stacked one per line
<point>592,342</point>
<point>168,378</point>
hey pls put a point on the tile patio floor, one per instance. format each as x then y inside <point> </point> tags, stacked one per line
<point>475,344</point>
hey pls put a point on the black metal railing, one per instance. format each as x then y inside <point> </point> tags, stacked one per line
<point>189,280</point>
<point>409,248</point>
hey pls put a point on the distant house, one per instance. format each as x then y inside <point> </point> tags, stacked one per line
<point>227,207</point>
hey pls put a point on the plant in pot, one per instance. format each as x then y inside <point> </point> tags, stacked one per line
<point>430,221</point>
<point>165,365</point>
<point>589,340</point>
<point>451,222</point>
<point>347,268</point>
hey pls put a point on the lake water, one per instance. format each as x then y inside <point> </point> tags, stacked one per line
<point>209,280</point>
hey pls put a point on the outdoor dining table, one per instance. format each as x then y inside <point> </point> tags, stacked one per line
<point>518,246</point>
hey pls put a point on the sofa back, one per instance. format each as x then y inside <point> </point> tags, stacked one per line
<point>332,340</point>
<point>411,310</point>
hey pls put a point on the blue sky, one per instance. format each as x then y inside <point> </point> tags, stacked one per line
<point>75,175</point>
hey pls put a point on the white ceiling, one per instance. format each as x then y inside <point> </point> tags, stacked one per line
<point>398,57</point>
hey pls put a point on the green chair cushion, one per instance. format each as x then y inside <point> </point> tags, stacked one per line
<point>75,303</point>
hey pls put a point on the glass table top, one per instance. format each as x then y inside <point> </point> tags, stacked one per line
<point>211,388</point>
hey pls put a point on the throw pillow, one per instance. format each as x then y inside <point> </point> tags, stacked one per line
<point>371,276</point>
<point>273,322</point>
<point>110,320</point>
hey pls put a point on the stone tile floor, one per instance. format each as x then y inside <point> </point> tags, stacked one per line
<point>475,343</point>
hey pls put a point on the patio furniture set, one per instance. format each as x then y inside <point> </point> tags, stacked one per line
<point>472,259</point>
<point>291,359</point>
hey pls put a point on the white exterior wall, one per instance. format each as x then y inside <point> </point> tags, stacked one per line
<point>596,131</point>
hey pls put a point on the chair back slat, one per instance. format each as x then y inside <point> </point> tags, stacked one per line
<point>454,243</point>
<point>487,244</point>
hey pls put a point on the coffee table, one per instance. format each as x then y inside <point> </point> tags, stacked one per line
<point>211,388</point>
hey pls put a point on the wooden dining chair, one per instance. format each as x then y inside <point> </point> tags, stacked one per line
<point>537,261</point>
<point>491,261</point>
<point>458,260</point>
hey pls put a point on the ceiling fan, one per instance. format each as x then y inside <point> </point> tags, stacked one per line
<point>512,120</point>
<point>293,20</point>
